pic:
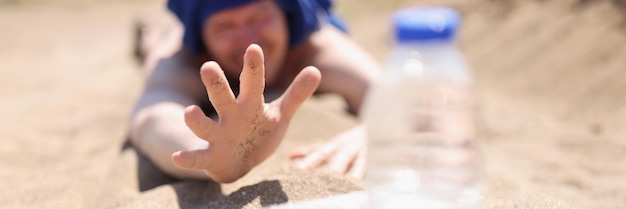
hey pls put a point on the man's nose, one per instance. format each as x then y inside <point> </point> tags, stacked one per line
<point>248,35</point>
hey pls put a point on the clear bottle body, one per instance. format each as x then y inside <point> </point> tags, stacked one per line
<point>420,118</point>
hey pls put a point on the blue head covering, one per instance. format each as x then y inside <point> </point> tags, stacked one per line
<point>303,17</point>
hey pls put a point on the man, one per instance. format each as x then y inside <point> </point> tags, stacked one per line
<point>259,44</point>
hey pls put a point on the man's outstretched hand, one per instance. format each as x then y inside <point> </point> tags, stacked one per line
<point>248,130</point>
<point>344,154</point>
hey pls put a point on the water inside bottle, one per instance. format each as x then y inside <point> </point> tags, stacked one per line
<point>423,150</point>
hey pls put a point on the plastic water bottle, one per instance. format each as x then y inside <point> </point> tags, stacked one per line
<point>420,118</point>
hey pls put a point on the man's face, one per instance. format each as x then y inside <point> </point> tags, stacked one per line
<point>228,33</point>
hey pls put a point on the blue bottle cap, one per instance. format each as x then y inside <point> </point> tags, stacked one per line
<point>425,23</point>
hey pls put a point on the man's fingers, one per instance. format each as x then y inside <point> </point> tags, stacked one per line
<point>253,75</point>
<point>301,152</point>
<point>192,160</point>
<point>220,94</point>
<point>302,87</point>
<point>343,159</point>
<point>317,157</point>
<point>199,123</point>
<point>359,166</point>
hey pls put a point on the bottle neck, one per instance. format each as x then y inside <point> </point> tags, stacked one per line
<point>438,59</point>
<point>427,45</point>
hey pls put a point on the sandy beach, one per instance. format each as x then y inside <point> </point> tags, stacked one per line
<point>550,76</point>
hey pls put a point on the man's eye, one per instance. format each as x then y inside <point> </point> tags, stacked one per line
<point>223,28</point>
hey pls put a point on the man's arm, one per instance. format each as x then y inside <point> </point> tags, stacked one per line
<point>157,122</point>
<point>349,71</point>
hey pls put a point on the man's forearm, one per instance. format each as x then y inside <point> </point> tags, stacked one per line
<point>158,131</point>
<point>347,68</point>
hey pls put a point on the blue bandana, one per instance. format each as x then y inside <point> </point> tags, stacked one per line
<point>303,17</point>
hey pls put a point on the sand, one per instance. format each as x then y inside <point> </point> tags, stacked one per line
<point>549,76</point>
